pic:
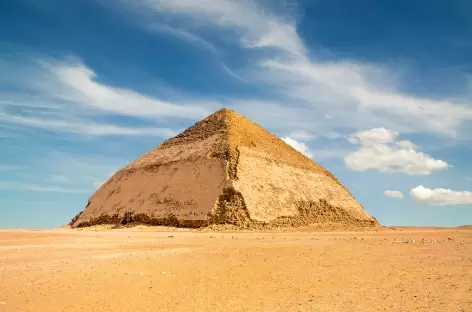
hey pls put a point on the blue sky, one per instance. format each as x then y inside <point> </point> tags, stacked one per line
<point>379,92</point>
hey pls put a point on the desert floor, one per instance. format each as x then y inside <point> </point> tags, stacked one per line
<point>164,269</point>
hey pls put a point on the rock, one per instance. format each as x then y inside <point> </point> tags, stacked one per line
<point>224,169</point>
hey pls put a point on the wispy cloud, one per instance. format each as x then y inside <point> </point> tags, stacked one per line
<point>233,74</point>
<point>195,41</point>
<point>83,128</point>
<point>65,97</point>
<point>183,35</point>
<point>31,102</point>
<point>55,171</point>
<point>347,89</point>
<point>259,28</point>
<point>80,86</point>
<point>353,93</point>
<point>82,169</point>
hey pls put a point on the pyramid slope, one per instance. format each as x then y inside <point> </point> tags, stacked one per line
<point>233,131</point>
<point>224,169</point>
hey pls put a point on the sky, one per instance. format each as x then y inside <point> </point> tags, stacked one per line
<point>378,92</point>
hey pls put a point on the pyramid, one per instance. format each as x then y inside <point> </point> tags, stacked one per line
<point>224,169</point>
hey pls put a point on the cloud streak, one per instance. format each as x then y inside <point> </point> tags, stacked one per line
<point>257,26</point>
<point>233,74</point>
<point>358,94</point>
<point>66,97</point>
<point>82,88</point>
<point>60,172</point>
<point>183,35</point>
<point>84,128</point>
<point>373,137</point>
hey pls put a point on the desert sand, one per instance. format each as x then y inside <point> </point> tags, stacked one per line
<point>168,269</point>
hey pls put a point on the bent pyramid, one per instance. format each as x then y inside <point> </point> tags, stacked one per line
<point>224,169</point>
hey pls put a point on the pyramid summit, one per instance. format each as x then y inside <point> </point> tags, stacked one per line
<point>223,169</point>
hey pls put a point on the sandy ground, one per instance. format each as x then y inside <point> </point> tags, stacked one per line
<point>189,270</point>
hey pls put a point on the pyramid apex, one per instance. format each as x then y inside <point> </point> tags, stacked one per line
<point>226,111</point>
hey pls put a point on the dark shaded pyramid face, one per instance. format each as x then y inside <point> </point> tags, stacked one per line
<point>224,169</point>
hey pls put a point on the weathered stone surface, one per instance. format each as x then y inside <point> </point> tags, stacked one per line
<point>224,169</point>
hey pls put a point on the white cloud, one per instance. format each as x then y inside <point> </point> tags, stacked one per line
<point>183,35</point>
<point>393,194</point>
<point>358,94</point>
<point>299,146</point>
<point>80,86</point>
<point>441,196</point>
<point>406,144</point>
<point>385,158</point>
<point>379,151</point>
<point>257,26</point>
<point>373,137</point>
<point>66,97</point>
<point>196,41</point>
<point>32,104</point>
<point>233,74</point>
<point>84,128</point>
<point>362,94</point>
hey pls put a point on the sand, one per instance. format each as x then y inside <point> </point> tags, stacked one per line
<point>224,169</point>
<point>165,269</point>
